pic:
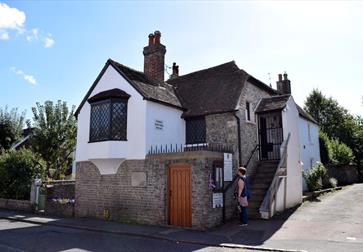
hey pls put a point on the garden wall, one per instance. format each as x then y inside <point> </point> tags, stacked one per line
<point>60,198</point>
<point>18,205</point>
<point>344,174</point>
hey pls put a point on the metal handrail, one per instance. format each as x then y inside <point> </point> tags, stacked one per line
<point>271,193</point>
<point>247,163</point>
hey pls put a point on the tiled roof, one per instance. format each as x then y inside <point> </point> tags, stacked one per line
<point>272,103</point>
<point>148,88</point>
<point>306,115</point>
<point>213,90</point>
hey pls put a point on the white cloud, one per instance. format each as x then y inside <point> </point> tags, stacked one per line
<point>28,77</point>
<point>12,19</point>
<point>48,41</point>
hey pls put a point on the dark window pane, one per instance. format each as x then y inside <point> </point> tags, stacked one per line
<point>195,130</point>
<point>119,120</point>
<point>108,120</point>
<point>100,121</point>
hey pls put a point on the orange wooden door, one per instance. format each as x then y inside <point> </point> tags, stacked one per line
<point>180,195</point>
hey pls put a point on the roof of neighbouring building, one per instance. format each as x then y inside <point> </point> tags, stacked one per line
<point>148,88</point>
<point>213,90</point>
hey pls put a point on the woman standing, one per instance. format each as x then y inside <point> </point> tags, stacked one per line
<point>242,196</point>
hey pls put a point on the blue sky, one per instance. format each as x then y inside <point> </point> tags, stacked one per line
<point>55,50</point>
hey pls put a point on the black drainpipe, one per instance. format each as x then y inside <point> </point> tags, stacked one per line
<point>239,163</point>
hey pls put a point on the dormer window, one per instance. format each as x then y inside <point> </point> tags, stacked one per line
<point>109,116</point>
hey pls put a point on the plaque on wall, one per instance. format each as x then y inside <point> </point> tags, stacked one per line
<point>227,166</point>
<point>217,200</point>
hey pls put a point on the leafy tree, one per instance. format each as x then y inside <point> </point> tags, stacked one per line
<point>17,170</point>
<point>11,125</point>
<point>54,136</point>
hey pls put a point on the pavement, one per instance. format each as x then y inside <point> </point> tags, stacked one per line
<point>332,222</point>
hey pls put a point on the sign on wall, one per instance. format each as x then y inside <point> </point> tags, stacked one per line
<point>159,125</point>
<point>217,200</point>
<point>227,166</point>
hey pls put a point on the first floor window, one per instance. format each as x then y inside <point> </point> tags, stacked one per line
<point>195,130</point>
<point>108,120</point>
<point>248,111</point>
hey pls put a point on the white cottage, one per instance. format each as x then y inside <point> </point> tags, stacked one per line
<point>142,140</point>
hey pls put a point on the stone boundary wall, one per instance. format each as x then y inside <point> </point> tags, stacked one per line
<point>345,175</point>
<point>60,197</point>
<point>137,192</point>
<point>18,205</point>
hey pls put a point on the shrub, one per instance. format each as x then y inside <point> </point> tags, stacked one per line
<point>314,176</point>
<point>333,182</point>
<point>340,153</point>
<point>17,170</point>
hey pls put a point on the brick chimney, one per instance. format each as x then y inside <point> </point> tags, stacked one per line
<point>175,73</point>
<point>283,85</point>
<point>154,54</point>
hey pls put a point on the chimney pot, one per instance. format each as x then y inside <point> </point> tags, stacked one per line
<point>175,71</point>
<point>157,35</point>
<point>151,39</point>
<point>280,77</point>
<point>285,76</point>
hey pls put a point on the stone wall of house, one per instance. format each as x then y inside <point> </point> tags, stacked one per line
<point>17,205</point>
<point>137,192</point>
<point>249,129</point>
<point>222,129</point>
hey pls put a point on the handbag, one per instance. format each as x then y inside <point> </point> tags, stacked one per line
<point>242,201</point>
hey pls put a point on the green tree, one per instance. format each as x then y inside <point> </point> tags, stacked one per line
<point>17,170</point>
<point>340,153</point>
<point>324,147</point>
<point>54,133</point>
<point>11,125</point>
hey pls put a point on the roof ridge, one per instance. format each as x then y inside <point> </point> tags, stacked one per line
<point>201,70</point>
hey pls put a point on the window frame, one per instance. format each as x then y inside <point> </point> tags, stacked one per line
<point>111,101</point>
<point>204,130</point>
<point>248,111</point>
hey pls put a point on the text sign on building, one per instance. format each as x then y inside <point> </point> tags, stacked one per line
<point>159,125</point>
<point>217,200</point>
<point>227,166</point>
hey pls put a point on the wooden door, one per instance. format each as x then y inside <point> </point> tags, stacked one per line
<point>180,195</point>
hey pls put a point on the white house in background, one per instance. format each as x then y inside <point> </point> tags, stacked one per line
<point>126,113</point>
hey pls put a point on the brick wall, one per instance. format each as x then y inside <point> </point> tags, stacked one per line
<point>147,203</point>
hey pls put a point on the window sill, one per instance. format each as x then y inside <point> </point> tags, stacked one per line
<point>250,122</point>
<point>108,140</point>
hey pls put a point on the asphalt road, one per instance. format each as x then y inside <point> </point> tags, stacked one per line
<point>334,222</point>
<point>19,237</point>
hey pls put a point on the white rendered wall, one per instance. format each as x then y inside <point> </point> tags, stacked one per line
<point>309,146</point>
<point>290,122</point>
<point>134,147</point>
<point>164,126</point>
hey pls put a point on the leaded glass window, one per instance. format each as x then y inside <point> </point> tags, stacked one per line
<point>195,130</point>
<point>108,120</point>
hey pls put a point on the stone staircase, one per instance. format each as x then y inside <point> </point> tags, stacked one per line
<point>259,185</point>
